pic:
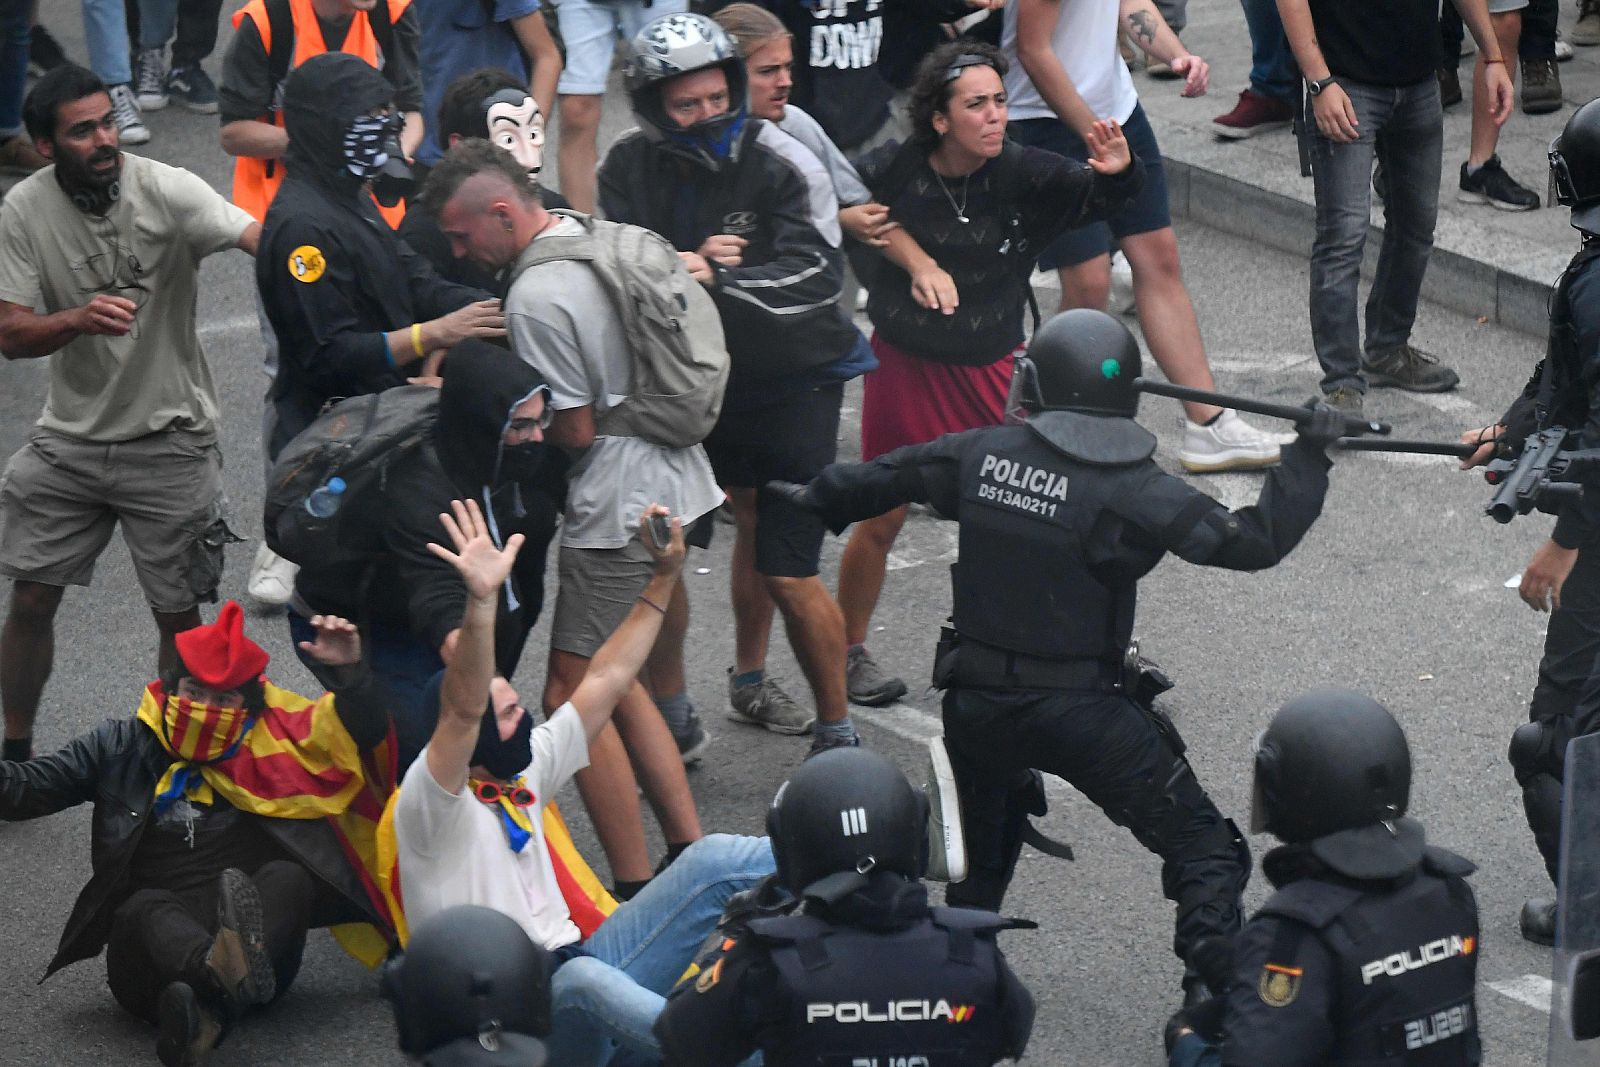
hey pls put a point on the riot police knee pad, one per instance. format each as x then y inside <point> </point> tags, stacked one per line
<point>1537,748</point>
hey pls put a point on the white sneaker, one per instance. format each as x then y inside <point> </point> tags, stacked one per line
<point>947,845</point>
<point>125,110</point>
<point>271,581</point>
<point>1564,49</point>
<point>1229,444</point>
<point>150,79</point>
<point>1122,302</point>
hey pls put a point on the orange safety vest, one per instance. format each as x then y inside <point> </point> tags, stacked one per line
<point>256,181</point>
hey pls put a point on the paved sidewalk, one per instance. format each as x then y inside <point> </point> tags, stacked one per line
<point>1486,261</point>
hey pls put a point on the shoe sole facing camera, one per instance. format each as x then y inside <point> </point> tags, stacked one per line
<point>1466,197</point>
<point>239,956</point>
<point>1240,461</point>
<point>947,845</point>
<point>1239,133</point>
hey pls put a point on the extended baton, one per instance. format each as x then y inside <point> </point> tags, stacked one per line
<point>1355,425</point>
<point>1395,444</point>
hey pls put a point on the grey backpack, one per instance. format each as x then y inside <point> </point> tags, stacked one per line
<point>672,327</point>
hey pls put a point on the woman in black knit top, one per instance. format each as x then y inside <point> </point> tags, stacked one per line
<point>947,300</point>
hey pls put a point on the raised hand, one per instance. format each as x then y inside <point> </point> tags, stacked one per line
<point>1108,148</point>
<point>337,644</point>
<point>482,565</point>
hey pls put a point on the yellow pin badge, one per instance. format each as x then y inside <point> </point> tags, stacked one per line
<point>306,264</point>
<point>708,978</point>
<point>1279,985</point>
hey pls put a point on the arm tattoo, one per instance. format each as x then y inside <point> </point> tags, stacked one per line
<point>1144,28</point>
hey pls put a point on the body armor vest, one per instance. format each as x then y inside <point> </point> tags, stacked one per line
<point>1021,582</point>
<point>925,996</point>
<point>1407,960</point>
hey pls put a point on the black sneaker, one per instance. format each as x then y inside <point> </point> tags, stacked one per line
<point>1492,185</point>
<point>192,89</point>
<point>692,740</point>
<point>188,1030</point>
<point>1404,367</point>
<point>823,742</point>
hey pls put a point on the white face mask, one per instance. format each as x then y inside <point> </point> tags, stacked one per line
<point>516,124</point>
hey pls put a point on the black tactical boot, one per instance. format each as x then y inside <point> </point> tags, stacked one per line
<point>1538,921</point>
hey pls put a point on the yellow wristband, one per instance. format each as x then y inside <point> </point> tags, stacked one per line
<point>416,339</point>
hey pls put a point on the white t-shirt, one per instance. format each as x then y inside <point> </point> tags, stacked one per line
<point>453,848</point>
<point>1085,41</point>
<point>560,321</point>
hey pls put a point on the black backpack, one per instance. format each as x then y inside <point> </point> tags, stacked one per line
<point>358,440</point>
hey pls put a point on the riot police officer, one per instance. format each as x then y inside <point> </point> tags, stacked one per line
<point>1061,513</point>
<point>863,971</point>
<point>1563,577</point>
<point>1367,953</point>
<point>471,988</point>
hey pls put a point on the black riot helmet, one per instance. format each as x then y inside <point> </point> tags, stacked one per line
<point>847,811</point>
<point>471,989</point>
<point>1333,772</point>
<point>668,47</point>
<point>1081,360</point>
<point>1575,167</point>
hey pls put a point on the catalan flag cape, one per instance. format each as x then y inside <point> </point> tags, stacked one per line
<point>587,900</point>
<point>295,760</point>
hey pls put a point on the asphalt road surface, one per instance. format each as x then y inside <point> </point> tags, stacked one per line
<point>1399,590</point>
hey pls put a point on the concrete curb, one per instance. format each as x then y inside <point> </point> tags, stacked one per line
<point>1454,279</point>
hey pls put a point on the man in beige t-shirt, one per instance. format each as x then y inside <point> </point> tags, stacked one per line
<point>99,267</point>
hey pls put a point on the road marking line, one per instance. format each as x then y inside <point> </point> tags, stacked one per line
<point>237,324</point>
<point>1531,989</point>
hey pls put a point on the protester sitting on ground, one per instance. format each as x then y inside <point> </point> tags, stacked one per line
<point>485,103</point>
<point>468,819</point>
<point>948,305</point>
<point>755,219</point>
<point>486,445</point>
<point>226,813</point>
<point>564,320</point>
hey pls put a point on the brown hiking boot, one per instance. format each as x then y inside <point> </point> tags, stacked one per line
<point>1541,86</point>
<point>1408,368</point>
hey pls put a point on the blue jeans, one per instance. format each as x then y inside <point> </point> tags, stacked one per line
<point>158,20</point>
<point>403,662</point>
<point>1273,72</point>
<point>1404,127</point>
<point>15,18</point>
<point>611,997</point>
<point>105,30</point>
<point>1192,1050</point>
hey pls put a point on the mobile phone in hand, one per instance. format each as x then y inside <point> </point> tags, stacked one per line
<point>661,531</point>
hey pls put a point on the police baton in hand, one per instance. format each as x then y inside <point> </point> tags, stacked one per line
<point>1354,425</point>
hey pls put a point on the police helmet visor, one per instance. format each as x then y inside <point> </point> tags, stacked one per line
<point>1024,397</point>
<point>1258,798</point>
<point>1561,190</point>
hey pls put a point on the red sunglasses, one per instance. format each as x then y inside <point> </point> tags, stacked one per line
<point>491,792</point>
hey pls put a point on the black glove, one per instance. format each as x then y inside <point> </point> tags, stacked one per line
<point>800,494</point>
<point>1583,467</point>
<point>1325,426</point>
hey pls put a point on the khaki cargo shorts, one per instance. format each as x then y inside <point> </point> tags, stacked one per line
<point>61,497</point>
<point>597,589</point>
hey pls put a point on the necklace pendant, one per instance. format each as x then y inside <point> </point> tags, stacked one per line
<point>962,219</point>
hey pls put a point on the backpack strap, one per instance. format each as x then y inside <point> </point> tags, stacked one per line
<point>280,52</point>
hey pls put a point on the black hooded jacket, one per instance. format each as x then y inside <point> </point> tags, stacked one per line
<point>522,490</point>
<point>333,277</point>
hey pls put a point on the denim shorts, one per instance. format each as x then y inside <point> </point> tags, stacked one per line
<point>1148,212</point>
<point>590,30</point>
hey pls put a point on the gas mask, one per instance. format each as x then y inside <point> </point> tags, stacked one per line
<point>515,124</point>
<point>372,153</point>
